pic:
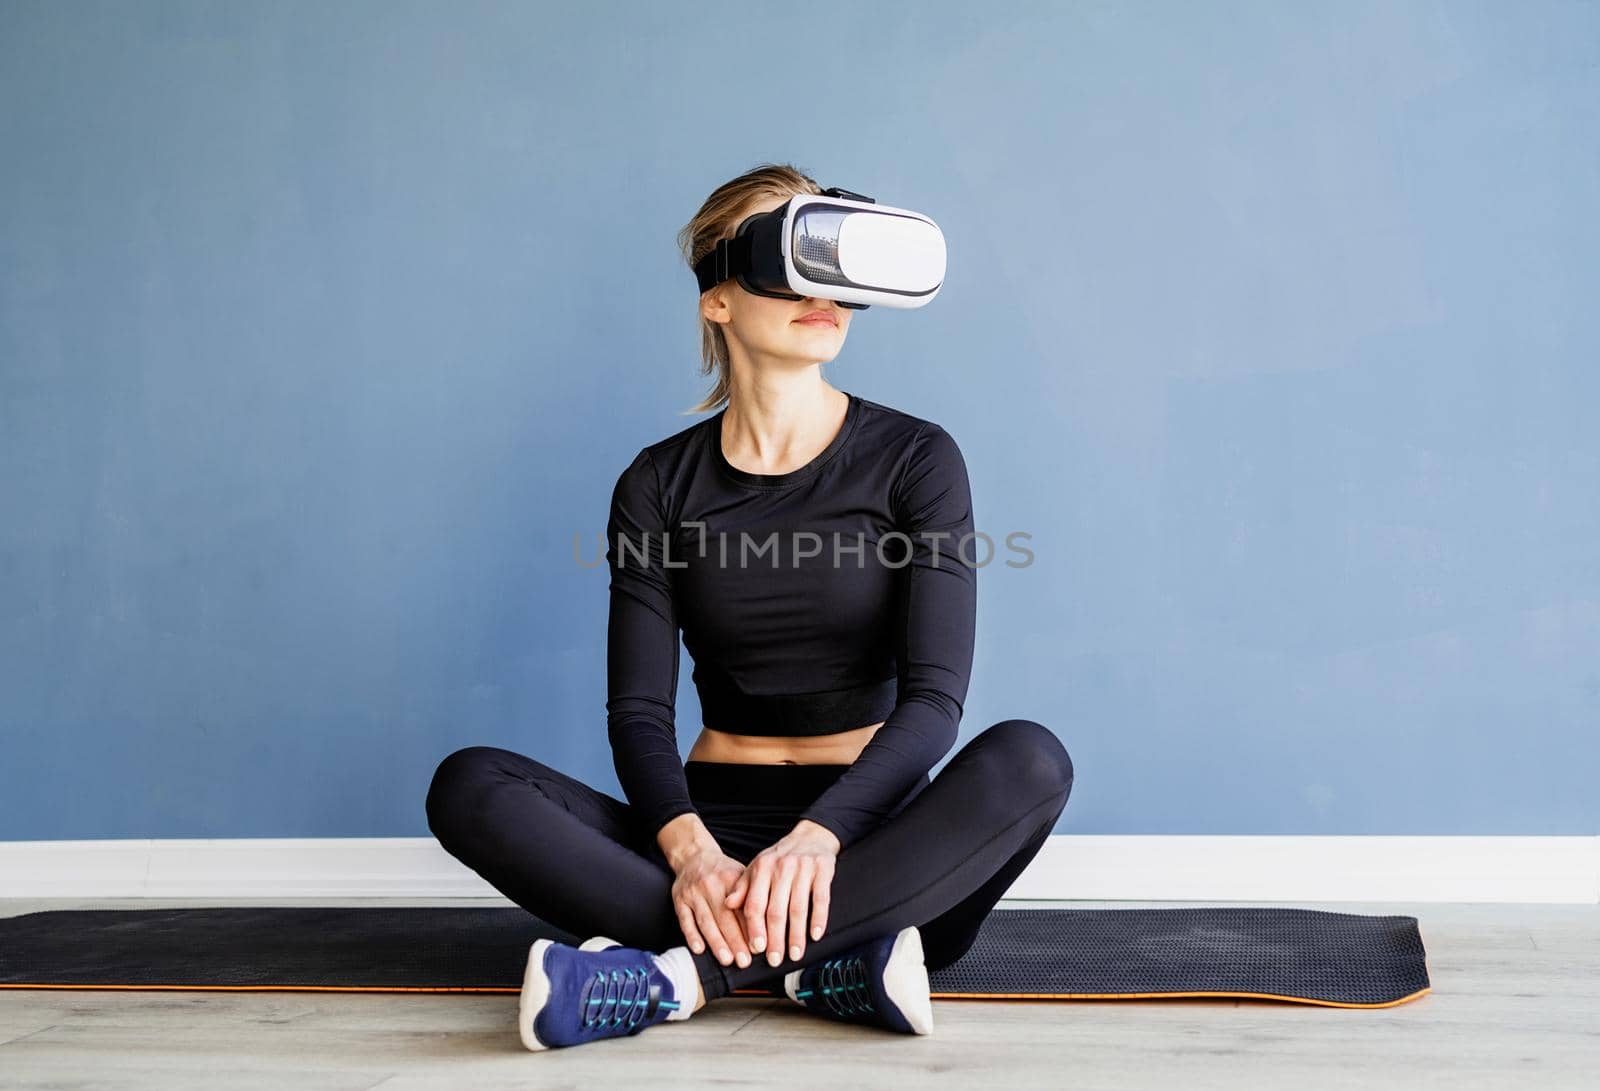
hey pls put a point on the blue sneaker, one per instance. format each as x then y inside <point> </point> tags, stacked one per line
<point>883,982</point>
<point>571,996</point>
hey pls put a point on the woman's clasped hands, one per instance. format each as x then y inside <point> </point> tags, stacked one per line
<point>735,909</point>
<point>784,885</point>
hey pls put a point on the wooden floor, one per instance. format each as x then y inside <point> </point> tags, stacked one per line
<point>1515,1001</point>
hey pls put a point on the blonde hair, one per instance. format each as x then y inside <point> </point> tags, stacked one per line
<point>718,218</point>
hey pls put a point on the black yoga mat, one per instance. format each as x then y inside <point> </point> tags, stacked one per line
<point>1305,955</point>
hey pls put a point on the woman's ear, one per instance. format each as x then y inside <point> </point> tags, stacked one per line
<point>714,306</point>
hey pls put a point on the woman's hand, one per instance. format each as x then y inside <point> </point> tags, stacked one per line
<point>784,884</point>
<point>698,896</point>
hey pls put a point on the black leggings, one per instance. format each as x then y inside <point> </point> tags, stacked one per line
<point>575,857</point>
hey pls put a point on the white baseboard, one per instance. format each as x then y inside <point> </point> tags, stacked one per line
<point>1069,867</point>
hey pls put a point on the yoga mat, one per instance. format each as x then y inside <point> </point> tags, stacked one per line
<point>1304,955</point>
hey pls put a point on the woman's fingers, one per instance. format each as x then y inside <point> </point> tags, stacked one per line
<point>708,928</point>
<point>799,903</point>
<point>691,933</point>
<point>821,897</point>
<point>778,908</point>
<point>738,890</point>
<point>755,901</point>
<point>781,896</point>
<point>728,922</point>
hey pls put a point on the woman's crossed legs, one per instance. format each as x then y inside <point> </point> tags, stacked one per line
<point>570,854</point>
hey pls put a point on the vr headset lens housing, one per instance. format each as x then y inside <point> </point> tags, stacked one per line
<point>846,248</point>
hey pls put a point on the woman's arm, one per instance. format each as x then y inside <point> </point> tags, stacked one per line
<point>642,657</point>
<point>933,641</point>
<point>641,691</point>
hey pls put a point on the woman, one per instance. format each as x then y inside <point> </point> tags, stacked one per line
<point>814,549</point>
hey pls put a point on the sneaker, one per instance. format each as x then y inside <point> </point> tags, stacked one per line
<point>600,943</point>
<point>571,995</point>
<point>883,982</point>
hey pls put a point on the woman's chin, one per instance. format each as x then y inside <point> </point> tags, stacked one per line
<point>827,340</point>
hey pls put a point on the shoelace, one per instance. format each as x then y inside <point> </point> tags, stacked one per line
<point>841,986</point>
<point>628,995</point>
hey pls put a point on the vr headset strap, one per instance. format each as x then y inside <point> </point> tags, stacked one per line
<point>835,191</point>
<point>728,258</point>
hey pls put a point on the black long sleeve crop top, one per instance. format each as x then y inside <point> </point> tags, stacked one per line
<point>811,602</point>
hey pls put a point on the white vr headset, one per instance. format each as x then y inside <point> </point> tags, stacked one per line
<point>835,245</point>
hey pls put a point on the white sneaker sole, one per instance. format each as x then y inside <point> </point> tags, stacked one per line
<point>535,994</point>
<point>905,980</point>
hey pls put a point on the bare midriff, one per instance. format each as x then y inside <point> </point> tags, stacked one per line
<point>841,748</point>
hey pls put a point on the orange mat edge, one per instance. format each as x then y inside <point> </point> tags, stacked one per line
<point>737,993</point>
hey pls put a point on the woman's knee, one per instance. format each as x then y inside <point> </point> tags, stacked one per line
<point>457,787</point>
<point>1031,759</point>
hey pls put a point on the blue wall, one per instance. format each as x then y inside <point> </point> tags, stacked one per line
<point>325,330</point>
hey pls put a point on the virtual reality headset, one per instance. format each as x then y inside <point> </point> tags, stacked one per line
<point>835,245</point>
